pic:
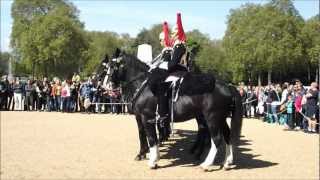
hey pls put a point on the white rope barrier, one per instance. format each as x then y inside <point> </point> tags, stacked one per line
<point>275,113</point>
<point>247,102</point>
<point>306,117</point>
<point>111,103</point>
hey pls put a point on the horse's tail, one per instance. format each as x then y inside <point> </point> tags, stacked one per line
<point>236,120</point>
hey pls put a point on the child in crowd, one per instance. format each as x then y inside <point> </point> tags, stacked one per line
<point>289,105</point>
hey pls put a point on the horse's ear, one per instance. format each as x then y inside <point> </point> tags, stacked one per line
<point>106,58</point>
<point>116,53</point>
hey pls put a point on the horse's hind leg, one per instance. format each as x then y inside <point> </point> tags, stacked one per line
<point>229,153</point>
<point>167,128</point>
<point>161,132</point>
<point>164,131</point>
<point>213,120</point>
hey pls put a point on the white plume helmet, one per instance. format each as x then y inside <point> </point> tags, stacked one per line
<point>161,36</point>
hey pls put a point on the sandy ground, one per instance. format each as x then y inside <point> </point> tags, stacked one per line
<point>40,145</point>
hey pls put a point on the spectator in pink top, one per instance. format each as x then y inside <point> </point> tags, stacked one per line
<point>65,95</point>
<point>298,106</point>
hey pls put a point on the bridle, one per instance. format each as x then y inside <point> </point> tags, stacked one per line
<point>133,80</point>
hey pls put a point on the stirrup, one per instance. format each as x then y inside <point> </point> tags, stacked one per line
<point>161,118</point>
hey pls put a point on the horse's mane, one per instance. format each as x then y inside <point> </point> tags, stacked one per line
<point>135,68</point>
<point>134,63</point>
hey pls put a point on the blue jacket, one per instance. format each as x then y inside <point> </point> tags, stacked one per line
<point>85,90</point>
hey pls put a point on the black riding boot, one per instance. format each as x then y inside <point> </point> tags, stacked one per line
<point>163,103</point>
<point>163,109</point>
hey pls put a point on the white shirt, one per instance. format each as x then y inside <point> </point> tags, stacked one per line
<point>284,96</point>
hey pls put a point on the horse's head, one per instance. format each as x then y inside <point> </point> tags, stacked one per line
<point>117,68</point>
<point>126,68</point>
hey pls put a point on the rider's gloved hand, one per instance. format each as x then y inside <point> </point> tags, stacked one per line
<point>152,66</point>
<point>164,65</point>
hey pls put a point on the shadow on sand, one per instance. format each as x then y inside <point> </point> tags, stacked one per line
<point>178,153</point>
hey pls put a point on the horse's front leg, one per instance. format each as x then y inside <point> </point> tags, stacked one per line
<point>150,129</point>
<point>143,140</point>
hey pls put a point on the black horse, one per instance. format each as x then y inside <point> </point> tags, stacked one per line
<point>103,71</point>
<point>214,106</point>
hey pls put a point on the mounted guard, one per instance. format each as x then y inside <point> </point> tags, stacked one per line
<point>179,56</point>
<point>175,62</point>
<point>209,102</point>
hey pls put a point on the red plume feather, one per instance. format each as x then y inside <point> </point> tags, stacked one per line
<point>181,34</point>
<point>165,29</point>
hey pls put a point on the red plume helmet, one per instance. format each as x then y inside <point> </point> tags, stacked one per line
<point>181,35</point>
<point>165,30</point>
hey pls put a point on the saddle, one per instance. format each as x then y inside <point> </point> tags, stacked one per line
<point>190,84</point>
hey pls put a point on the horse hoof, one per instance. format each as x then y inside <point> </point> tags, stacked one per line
<point>154,167</point>
<point>228,167</point>
<point>204,168</point>
<point>140,157</point>
<point>137,158</point>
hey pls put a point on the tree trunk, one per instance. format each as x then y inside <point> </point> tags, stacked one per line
<point>33,69</point>
<point>309,75</point>
<point>259,79</point>
<point>10,66</point>
<point>319,61</point>
<point>269,76</point>
<point>317,77</point>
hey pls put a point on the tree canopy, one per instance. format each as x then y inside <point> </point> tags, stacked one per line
<point>264,38</point>
<point>48,36</point>
<point>270,40</point>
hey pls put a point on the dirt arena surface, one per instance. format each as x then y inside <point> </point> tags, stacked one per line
<point>41,145</point>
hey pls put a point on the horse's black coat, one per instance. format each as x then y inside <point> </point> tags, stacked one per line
<point>205,83</point>
<point>210,103</point>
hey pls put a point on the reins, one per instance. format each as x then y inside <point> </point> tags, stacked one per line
<point>137,91</point>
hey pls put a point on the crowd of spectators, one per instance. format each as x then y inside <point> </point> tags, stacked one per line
<point>290,104</point>
<point>74,95</point>
<point>293,105</point>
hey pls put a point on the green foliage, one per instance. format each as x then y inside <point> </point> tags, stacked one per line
<point>48,39</point>
<point>128,44</point>
<point>149,37</point>
<point>311,37</point>
<point>48,36</point>
<point>101,43</point>
<point>212,58</point>
<point>196,40</point>
<point>208,55</point>
<point>286,7</point>
<point>24,12</point>
<point>263,37</point>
